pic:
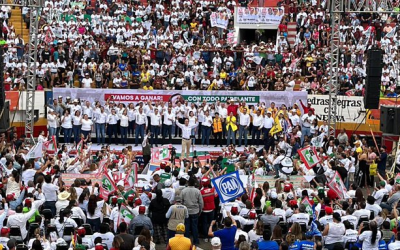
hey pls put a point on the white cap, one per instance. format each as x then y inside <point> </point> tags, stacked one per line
<point>120,183</point>
<point>168,183</point>
<point>76,100</point>
<point>215,242</point>
<point>274,195</point>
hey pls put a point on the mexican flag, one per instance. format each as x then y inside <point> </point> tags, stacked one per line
<point>337,185</point>
<point>107,186</point>
<point>50,145</point>
<point>125,215</point>
<point>308,156</point>
<point>79,147</point>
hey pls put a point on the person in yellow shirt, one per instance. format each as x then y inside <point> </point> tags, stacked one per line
<point>273,109</point>
<point>223,74</point>
<point>231,128</point>
<point>179,242</point>
<point>148,86</point>
<point>145,76</point>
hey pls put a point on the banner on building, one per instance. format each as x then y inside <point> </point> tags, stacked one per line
<point>308,156</point>
<point>196,96</point>
<point>219,20</point>
<point>259,15</point>
<point>228,186</point>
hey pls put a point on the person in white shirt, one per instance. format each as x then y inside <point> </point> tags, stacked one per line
<point>77,125</point>
<point>395,245</point>
<point>294,118</point>
<point>379,194</point>
<point>372,206</point>
<point>123,125</point>
<point>52,122</point>
<point>186,142</point>
<point>257,127</point>
<point>87,126</point>
<point>206,129</point>
<point>362,212</point>
<point>244,123</point>
<point>168,121</point>
<point>106,236</point>
<point>100,118</point>
<point>66,125</point>
<point>268,123</point>
<point>155,125</point>
<point>141,125</point>
<point>370,237</point>
<point>112,127</point>
<point>306,119</point>
<point>87,81</point>
<point>63,222</point>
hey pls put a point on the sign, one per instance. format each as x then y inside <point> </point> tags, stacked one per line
<point>228,186</point>
<point>318,141</point>
<point>125,215</point>
<point>36,151</point>
<point>337,185</point>
<point>131,176</point>
<point>107,186</point>
<point>219,20</point>
<point>161,153</point>
<point>307,203</point>
<point>308,156</point>
<point>348,108</point>
<point>69,179</point>
<point>397,179</point>
<point>196,96</point>
<point>259,15</point>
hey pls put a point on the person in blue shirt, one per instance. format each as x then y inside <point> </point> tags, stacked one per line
<point>227,234</point>
<point>307,244</point>
<point>266,243</point>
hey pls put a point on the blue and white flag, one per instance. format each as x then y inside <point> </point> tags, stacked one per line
<point>228,186</point>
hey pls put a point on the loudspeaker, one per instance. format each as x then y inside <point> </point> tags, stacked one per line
<point>372,92</point>
<point>5,118</point>
<point>396,123</point>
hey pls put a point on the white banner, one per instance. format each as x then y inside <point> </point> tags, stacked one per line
<point>219,20</point>
<point>196,96</point>
<point>349,108</point>
<point>259,15</point>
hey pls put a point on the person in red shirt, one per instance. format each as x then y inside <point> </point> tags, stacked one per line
<point>233,108</point>
<point>307,108</point>
<point>207,215</point>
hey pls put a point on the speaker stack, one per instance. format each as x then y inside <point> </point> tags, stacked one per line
<point>390,120</point>
<point>373,80</point>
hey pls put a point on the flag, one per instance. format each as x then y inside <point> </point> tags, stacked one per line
<point>367,34</point>
<point>391,33</point>
<point>253,190</point>
<point>337,185</point>
<point>308,204</point>
<point>228,186</point>
<point>36,151</point>
<point>125,215</point>
<point>107,185</point>
<point>101,166</point>
<point>308,156</point>
<point>79,147</point>
<point>50,145</point>
<point>397,179</point>
<point>318,141</point>
<point>277,126</point>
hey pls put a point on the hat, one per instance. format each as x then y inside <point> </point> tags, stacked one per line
<point>292,203</point>
<point>180,227</point>
<point>205,181</point>
<point>287,187</point>
<point>274,195</point>
<point>81,231</point>
<point>142,209</point>
<point>99,247</point>
<point>382,183</point>
<point>185,176</point>
<point>10,197</point>
<point>328,210</point>
<point>252,214</point>
<point>138,202</point>
<point>234,210</point>
<point>5,230</point>
<point>63,196</point>
<point>357,142</point>
<point>60,97</point>
<point>113,199</point>
<point>336,216</point>
<point>121,183</point>
<point>147,188</point>
<point>167,183</point>
<point>215,242</point>
<point>28,202</point>
<point>120,200</point>
<point>12,243</point>
<point>332,194</point>
<point>163,164</point>
<point>131,197</point>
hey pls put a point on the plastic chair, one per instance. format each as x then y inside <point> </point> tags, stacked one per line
<point>15,233</point>
<point>31,230</point>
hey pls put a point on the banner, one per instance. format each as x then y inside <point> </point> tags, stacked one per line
<point>337,185</point>
<point>308,204</point>
<point>196,96</point>
<point>69,179</point>
<point>131,176</point>
<point>161,153</point>
<point>219,20</point>
<point>259,15</point>
<point>318,141</point>
<point>107,186</point>
<point>308,156</point>
<point>397,179</point>
<point>50,145</point>
<point>228,186</point>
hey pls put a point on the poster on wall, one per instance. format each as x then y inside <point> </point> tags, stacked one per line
<point>219,20</point>
<point>259,15</point>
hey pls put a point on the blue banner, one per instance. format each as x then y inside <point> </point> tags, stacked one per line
<point>228,186</point>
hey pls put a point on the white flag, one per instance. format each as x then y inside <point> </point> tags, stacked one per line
<point>36,151</point>
<point>391,33</point>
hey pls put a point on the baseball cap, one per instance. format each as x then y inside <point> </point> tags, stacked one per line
<point>287,187</point>
<point>328,210</point>
<point>382,183</point>
<point>99,247</point>
<point>180,227</point>
<point>215,242</point>
<point>168,183</point>
<point>147,188</point>
<point>5,230</point>
<point>234,210</point>
<point>142,210</point>
<point>81,231</point>
<point>138,202</point>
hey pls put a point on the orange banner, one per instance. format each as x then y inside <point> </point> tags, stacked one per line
<point>13,97</point>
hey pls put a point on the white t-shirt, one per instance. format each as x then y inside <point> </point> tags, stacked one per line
<point>97,211</point>
<point>87,125</point>
<point>394,246</point>
<point>87,82</point>
<point>365,237</point>
<point>28,175</point>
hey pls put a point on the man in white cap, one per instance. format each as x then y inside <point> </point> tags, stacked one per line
<point>268,123</point>
<point>168,192</point>
<point>215,243</point>
<point>75,106</point>
<point>294,118</point>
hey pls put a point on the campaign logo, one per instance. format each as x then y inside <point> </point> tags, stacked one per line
<point>228,186</point>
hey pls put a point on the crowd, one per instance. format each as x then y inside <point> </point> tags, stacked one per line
<point>172,45</point>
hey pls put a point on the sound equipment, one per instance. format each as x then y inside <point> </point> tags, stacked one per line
<point>5,117</point>
<point>373,80</point>
<point>390,120</point>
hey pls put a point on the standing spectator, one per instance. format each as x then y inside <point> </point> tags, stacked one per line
<point>159,207</point>
<point>176,214</point>
<point>179,241</point>
<point>226,235</point>
<point>192,199</point>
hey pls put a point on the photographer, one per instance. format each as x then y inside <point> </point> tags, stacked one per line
<point>369,235</point>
